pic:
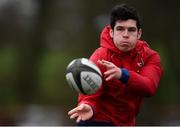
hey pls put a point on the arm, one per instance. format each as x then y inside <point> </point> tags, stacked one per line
<point>143,83</point>
<point>146,81</point>
<point>92,99</point>
<point>87,103</point>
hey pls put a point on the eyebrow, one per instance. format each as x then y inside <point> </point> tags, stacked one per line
<point>127,27</point>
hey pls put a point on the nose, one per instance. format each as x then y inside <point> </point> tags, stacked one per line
<point>125,33</point>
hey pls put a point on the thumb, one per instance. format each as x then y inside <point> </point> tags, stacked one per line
<point>81,107</point>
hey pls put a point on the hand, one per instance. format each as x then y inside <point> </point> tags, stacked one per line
<point>81,112</point>
<point>112,70</point>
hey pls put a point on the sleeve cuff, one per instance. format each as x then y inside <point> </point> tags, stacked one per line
<point>124,75</point>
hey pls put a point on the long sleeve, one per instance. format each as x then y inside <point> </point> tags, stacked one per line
<point>93,99</point>
<point>146,81</point>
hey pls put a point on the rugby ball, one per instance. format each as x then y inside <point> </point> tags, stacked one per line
<point>83,76</point>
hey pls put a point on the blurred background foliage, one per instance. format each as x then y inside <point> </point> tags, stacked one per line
<point>38,38</point>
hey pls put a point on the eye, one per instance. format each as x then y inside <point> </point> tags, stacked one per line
<point>120,28</point>
<point>132,29</point>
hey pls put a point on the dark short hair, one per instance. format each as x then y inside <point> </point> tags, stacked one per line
<point>124,12</point>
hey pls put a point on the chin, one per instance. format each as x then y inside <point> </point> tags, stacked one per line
<point>125,49</point>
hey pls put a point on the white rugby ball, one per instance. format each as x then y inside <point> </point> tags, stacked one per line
<point>83,76</point>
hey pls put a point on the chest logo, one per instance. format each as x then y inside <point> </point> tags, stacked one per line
<point>140,64</point>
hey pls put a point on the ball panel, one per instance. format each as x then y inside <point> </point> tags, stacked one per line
<point>72,66</point>
<point>90,64</point>
<point>91,79</point>
<point>75,68</point>
<point>71,82</point>
<point>84,76</point>
<point>76,74</point>
<point>71,63</point>
<point>91,82</point>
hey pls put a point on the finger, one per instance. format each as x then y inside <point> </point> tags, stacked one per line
<point>100,62</point>
<point>107,62</point>
<point>109,72</point>
<point>103,62</point>
<point>110,77</point>
<point>74,116</point>
<point>108,66</point>
<point>73,111</point>
<point>78,119</point>
<point>80,107</point>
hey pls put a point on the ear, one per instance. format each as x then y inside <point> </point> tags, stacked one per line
<point>111,33</point>
<point>139,33</point>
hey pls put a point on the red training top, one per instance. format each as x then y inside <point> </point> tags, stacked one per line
<point>116,102</point>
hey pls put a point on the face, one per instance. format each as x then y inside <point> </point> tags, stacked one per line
<point>125,34</point>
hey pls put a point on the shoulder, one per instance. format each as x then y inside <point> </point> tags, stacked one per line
<point>100,53</point>
<point>147,52</point>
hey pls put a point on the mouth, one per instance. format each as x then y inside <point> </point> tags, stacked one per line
<point>124,43</point>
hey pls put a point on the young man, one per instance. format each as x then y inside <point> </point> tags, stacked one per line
<point>131,71</point>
